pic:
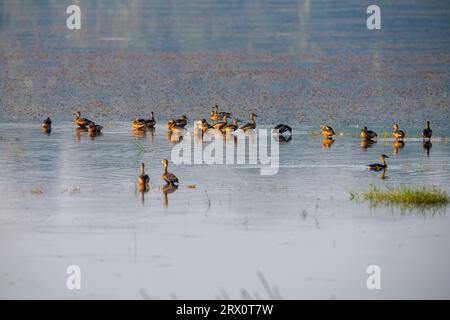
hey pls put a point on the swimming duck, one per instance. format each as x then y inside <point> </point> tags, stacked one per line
<point>47,124</point>
<point>170,123</point>
<point>139,124</point>
<point>327,131</point>
<point>379,166</point>
<point>368,134</point>
<point>397,134</point>
<point>180,123</point>
<point>151,122</point>
<point>81,122</point>
<point>168,177</point>
<point>143,179</point>
<point>251,124</point>
<point>427,132</point>
<point>221,124</point>
<point>232,126</point>
<point>282,128</point>
<point>94,128</point>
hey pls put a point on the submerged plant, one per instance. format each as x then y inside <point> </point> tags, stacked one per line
<point>405,197</point>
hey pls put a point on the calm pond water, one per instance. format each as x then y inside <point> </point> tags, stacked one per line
<point>69,199</point>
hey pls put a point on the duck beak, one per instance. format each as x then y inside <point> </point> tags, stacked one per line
<point>386,156</point>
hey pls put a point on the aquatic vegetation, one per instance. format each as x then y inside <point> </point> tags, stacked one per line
<point>405,197</point>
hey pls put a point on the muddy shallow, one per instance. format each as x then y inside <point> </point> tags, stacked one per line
<point>70,199</point>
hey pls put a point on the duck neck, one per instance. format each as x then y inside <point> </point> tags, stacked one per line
<point>142,169</point>
<point>165,168</point>
<point>383,161</point>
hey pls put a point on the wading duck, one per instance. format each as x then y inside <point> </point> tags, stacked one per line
<point>327,131</point>
<point>168,177</point>
<point>397,134</point>
<point>94,128</point>
<point>81,122</point>
<point>427,132</point>
<point>232,126</point>
<point>368,134</point>
<point>143,179</point>
<point>47,124</point>
<point>251,124</point>
<point>379,166</point>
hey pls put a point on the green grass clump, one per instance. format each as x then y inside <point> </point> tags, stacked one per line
<point>404,196</point>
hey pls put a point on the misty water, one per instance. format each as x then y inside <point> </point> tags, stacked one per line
<point>71,199</point>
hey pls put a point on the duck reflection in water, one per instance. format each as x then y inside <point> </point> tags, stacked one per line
<point>383,174</point>
<point>78,132</point>
<point>174,137</point>
<point>427,146</point>
<point>367,143</point>
<point>327,142</point>
<point>168,188</point>
<point>397,145</point>
<point>94,135</point>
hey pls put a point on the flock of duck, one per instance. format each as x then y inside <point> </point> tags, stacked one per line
<point>220,122</point>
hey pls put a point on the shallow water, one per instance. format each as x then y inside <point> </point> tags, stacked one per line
<point>70,199</point>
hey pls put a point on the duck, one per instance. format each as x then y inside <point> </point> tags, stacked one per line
<point>143,179</point>
<point>213,116</point>
<point>397,134</point>
<point>221,124</point>
<point>170,123</point>
<point>251,124</point>
<point>139,124</point>
<point>367,134</point>
<point>180,123</point>
<point>94,128</point>
<point>81,122</point>
<point>427,132</point>
<point>220,114</point>
<point>233,126</point>
<point>379,166</point>
<point>282,128</point>
<point>151,122</point>
<point>327,131</point>
<point>168,177</point>
<point>47,124</point>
